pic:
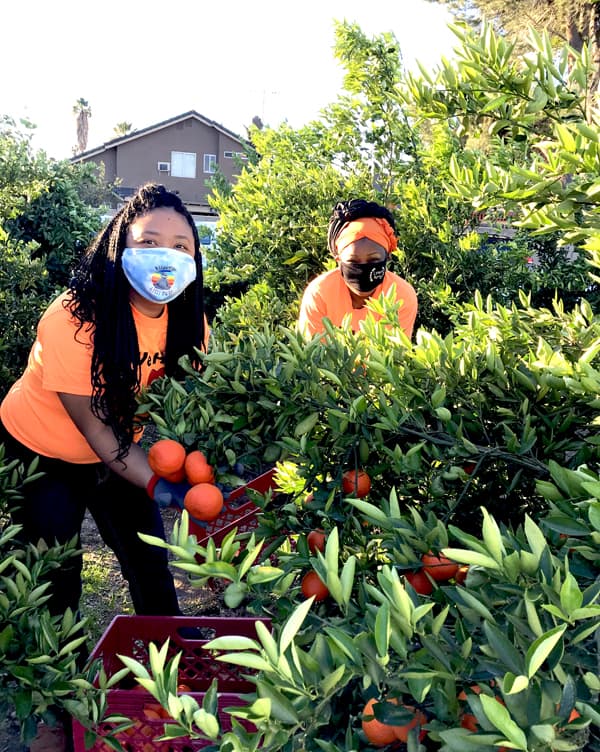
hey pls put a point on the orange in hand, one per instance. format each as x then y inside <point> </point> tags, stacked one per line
<point>166,456</point>
<point>197,469</point>
<point>204,501</point>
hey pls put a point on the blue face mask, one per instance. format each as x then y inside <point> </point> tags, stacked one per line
<point>158,274</point>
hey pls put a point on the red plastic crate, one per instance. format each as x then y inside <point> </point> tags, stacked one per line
<point>238,512</point>
<point>131,636</point>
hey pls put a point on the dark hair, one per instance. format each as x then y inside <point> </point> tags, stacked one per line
<point>99,299</point>
<point>356,208</point>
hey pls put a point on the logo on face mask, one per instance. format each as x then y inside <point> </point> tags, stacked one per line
<point>158,274</point>
<point>363,277</point>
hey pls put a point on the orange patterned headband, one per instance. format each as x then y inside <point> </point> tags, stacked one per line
<point>376,229</point>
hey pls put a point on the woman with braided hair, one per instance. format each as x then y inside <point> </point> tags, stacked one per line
<point>361,238</point>
<point>134,307</point>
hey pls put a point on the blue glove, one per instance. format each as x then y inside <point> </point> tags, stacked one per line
<point>167,494</point>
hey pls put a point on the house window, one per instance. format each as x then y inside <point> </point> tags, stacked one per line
<point>183,164</point>
<point>228,154</point>
<point>210,163</point>
<point>241,155</point>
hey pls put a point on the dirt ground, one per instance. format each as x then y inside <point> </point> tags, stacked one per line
<point>106,595</point>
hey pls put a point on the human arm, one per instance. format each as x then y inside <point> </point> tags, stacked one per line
<point>134,468</point>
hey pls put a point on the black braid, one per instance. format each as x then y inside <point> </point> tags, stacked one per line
<point>99,299</point>
<point>356,208</point>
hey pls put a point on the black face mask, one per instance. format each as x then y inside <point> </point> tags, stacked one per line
<point>363,277</point>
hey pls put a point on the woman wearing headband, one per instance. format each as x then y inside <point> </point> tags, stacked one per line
<point>361,238</point>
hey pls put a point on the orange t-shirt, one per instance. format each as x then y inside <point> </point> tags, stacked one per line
<point>328,296</point>
<point>60,361</point>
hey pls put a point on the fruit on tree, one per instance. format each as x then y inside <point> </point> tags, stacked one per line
<point>316,541</point>
<point>461,574</point>
<point>378,733</point>
<point>439,567</point>
<point>420,582</point>
<point>356,482</point>
<point>312,584</point>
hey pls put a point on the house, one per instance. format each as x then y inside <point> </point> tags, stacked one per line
<point>182,153</point>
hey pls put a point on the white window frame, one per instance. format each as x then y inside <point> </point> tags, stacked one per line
<point>228,154</point>
<point>210,163</point>
<point>183,164</point>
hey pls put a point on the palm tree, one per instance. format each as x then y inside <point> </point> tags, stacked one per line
<point>122,129</point>
<point>83,112</point>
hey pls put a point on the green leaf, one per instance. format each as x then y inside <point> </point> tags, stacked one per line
<point>207,723</point>
<point>461,556</point>
<point>382,630</point>
<point>249,660</point>
<point>347,579</point>
<point>293,624</point>
<point>500,718</point>
<point>512,684</point>
<point>234,642</point>
<point>492,538</point>
<point>571,596</point>
<point>306,424</point>
<point>281,708</point>
<point>332,551</point>
<point>331,680</point>
<point>503,648</point>
<point>541,649</point>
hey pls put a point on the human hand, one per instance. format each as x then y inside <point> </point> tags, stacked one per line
<point>165,493</point>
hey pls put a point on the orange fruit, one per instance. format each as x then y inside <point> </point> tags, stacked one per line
<point>204,501</point>
<point>312,584</point>
<point>150,713</point>
<point>419,718</point>
<point>439,567</point>
<point>420,582</point>
<point>308,498</point>
<point>469,721</point>
<point>474,688</point>
<point>176,477</point>
<point>461,575</point>
<point>378,733</point>
<point>183,687</point>
<point>197,469</point>
<point>356,482</point>
<point>166,456</point>
<point>316,541</point>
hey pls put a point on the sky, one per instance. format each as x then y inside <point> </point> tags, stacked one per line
<point>227,59</point>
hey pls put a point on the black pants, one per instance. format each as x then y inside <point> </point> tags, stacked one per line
<point>53,508</point>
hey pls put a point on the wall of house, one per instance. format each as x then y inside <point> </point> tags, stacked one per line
<point>137,160</point>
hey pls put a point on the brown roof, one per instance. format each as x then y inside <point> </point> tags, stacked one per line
<point>151,128</point>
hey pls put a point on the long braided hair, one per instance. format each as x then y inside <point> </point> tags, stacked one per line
<point>356,208</point>
<point>98,298</point>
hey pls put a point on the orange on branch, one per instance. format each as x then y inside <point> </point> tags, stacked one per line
<point>356,482</point>
<point>439,567</point>
<point>316,541</point>
<point>378,733</point>
<point>312,584</point>
<point>166,456</point>
<point>204,501</point>
<point>419,719</point>
<point>420,582</point>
